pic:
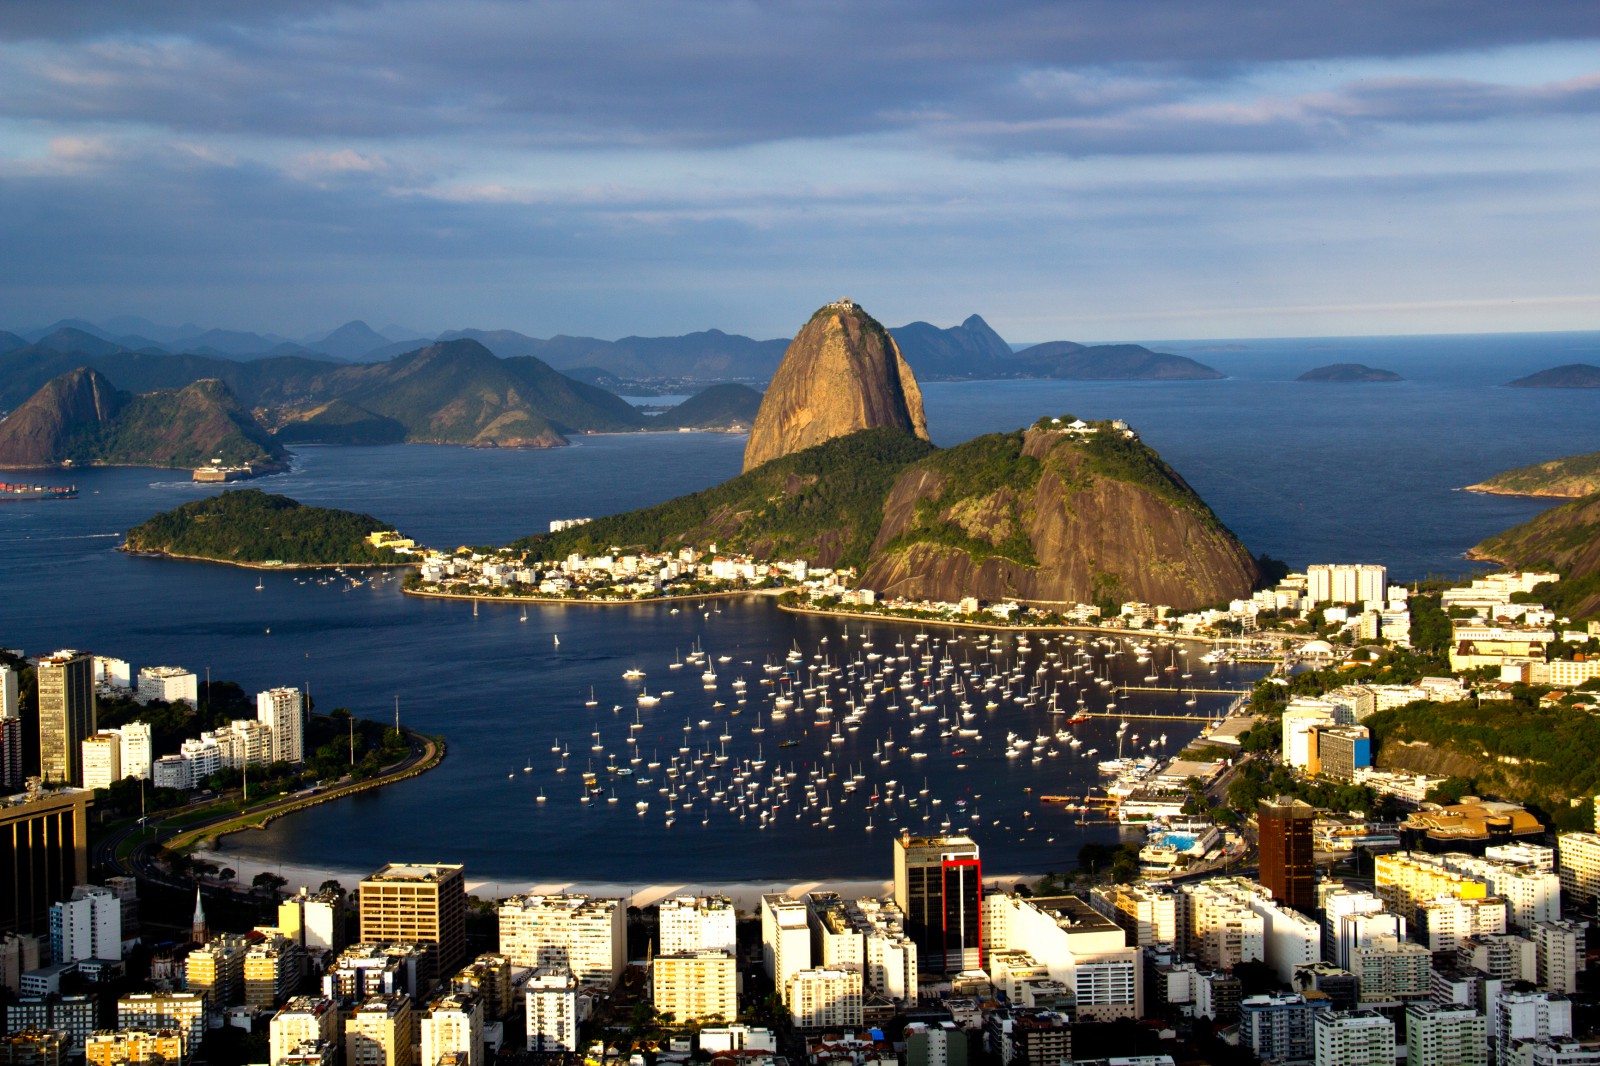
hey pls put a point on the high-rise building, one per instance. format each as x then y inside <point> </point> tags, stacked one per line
<point>272,970</point>
<point>11,755</point>
<point>1352,1038</point>
<point>1440,1034</point>
<point>489,978</point>
<point>1527,1016</point>
<point>216,970</point>
<point>75,1017</point>
<point>891,961</point>
<point>1405,879</point>
<point>1078,947</point>
<point>825,997</point>
<point>66,714</point>
<point>8,691</point>
<point>587,935</point>
<point>1277,1028</point>
<point>1346,583</point>
<point>33,1047</point>
<point>697,923</point>
<point>170,684</point>
<point>1284,829</point>
<point>134,1047</point>
<point>1559,949</point>
<point>1392,971</point>
<point>938,884</point>
<point>785,940</point>
<point>551,999</point>
<point>1442,924</point>
<point>315,920</point>
<point>1531,894</point>
<point>283,711</point>
<point>44,852</point>
<point>417,903</point>
<point>303,1019</point>
<point>87,926</point>
<point>696,986</point>
<point>453,1026</point>
<point>1148,913</point>
<point>1578,865</point>
<point>100,760</point>
<point>183,1011</point>
<point>378,1032</point>
<point>136,750</point>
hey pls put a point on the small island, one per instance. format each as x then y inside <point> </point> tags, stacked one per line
<point>248,527</point>
<point>1571,376</point>
<point>1342,373</point>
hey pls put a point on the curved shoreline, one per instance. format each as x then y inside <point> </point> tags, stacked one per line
<point>433,753</point>
<point>156,553</point>
<point>572,601</point>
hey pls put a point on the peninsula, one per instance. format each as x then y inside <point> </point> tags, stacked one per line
<point>248,527</point>
<point>1571,477</point>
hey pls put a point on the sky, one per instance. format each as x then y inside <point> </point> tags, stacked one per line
<point>1074,169</point>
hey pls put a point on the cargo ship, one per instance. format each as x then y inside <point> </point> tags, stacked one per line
<point>9,491</point>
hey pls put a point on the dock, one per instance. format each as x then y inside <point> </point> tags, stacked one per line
<point>1182,691</point>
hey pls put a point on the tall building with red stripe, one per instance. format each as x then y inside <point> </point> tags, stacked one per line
<point>938,884</point>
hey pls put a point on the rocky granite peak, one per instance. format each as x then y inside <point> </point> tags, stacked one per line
<point>842,373</point>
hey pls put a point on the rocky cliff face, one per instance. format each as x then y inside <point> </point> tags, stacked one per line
<point>842,373</point>
<point>1048,515</point>
<point>40,431</point>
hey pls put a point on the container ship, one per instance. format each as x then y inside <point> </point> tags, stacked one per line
<point>10,491</point>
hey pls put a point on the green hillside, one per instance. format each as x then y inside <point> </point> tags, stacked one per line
<point>251,526</point>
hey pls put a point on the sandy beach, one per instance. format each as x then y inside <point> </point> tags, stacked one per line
<point>746,895</point>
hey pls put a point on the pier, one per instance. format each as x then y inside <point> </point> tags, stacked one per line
<point>1183,690</point>
<point>1155,717</point>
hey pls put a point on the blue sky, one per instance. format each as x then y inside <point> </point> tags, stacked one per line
<point>1082,169</point>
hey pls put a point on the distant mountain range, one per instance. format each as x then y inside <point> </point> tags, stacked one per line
<point>969,351</point>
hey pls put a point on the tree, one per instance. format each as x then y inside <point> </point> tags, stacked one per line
<point>227,873</point>
<point>267,883</point>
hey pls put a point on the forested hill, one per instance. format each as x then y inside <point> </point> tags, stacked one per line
<point>250,526</point>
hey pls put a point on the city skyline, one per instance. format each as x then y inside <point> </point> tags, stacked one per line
<point>1080,172</point>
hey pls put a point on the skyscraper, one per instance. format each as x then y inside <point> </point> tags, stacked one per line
<point>1284,827</point>
<point>284,711</point>
<point>66,714</point>
<point>44,852</point>
<point>938,883</point>
<point>417,903</point>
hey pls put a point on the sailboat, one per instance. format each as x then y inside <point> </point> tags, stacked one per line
<point>557,636</point>
<point>591,701</point>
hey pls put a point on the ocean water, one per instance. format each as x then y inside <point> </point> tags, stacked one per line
<point>1303,472</point>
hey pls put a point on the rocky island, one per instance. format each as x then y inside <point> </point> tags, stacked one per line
<point>1342,373</point>
<point>1571,376</point>
<point>248,527</point>
<point>839,473</point>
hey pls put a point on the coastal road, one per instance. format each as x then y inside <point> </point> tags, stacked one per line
<point>142,860</point>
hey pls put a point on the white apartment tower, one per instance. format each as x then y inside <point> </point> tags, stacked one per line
<point>585,935</point>
<point>697,923</point>
<point>1579,865</point>
<point>101,760</point>
<point>785,940</point>
<point>1352,1038</point>
<point>136,750</point>
<point>283,711</point>
<point>301,1020</point>
<point>453,1026</point>
<point>551,1000</point>
<point>1445,1035</point>
<point>168,684</point>
<point>87,926</point>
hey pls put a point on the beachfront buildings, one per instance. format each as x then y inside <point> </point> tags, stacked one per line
<point>417,903</point>
<point>938,886</point>
<point>696,986</point>
<point>696,923</point>
<point>1076,945</point>
<point>583,934</point>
